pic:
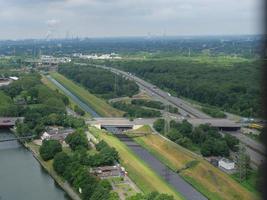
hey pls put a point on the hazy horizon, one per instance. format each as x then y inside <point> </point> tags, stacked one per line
<point>40,19</point>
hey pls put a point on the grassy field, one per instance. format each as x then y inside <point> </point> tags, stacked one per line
<point>52,86</point>
<point>209,180</point>
<point>99,105</point>
<point>144,177</point>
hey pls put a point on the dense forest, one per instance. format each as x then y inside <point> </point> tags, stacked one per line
<point>99,81</point>
<point>203,138</point>
<point>233,87</point>
<point>39,105</point>
<point>135,111</point>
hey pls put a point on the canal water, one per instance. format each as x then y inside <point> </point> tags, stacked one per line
<point>180,185</point>
<point>21,176</point>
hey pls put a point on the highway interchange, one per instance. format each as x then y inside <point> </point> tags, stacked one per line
<point>174,179</point>
<point>187,111</point>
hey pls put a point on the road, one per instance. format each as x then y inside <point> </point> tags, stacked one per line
<point>254,149</point>
<point>185,108</point>
<point>161,169</point>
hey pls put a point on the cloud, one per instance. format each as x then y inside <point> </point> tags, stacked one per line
<point>52,22</point>
<point>32,18</point>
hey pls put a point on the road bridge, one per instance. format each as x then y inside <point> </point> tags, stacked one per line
<point>7,122</point>
<point>222,124</point>
<point>17,138</point>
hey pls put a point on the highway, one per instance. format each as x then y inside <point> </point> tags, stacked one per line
<point>181,186</point>
<point>254,149</point>
<point>185,108</point>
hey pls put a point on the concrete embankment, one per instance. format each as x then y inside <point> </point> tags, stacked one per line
<point>63,184</point>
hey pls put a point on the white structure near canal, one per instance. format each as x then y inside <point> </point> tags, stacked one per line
<point>226,164</point>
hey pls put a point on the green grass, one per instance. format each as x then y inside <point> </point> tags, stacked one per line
<point>250,182</point>
<point>52,86</point>
<point>144,177</point>
<point>99,105</point>
<point>209,180</point>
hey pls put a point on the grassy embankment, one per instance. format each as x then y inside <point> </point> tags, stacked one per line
<point>146,179</point>
<point>99,105</point>
<point>209,180</point>
<point>48,166</point>
<point>52,86</point>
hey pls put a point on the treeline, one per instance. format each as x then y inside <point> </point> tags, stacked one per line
<point>204,138</point>
<point>233,87</point>
<point>74,166</point>
<point>214,45</point>
<point>213,112</point>
<point>148,103</point>
<point>151,196</point>
<point>135,111</point>
<point>99,81</point>
<point>38,104</point>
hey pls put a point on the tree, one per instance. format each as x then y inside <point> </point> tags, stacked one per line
<point>60,163</point>
<point>49,148</point>
<point>77,139</point>
<point>220,148</point>
<point>232,142</point>
<point>159,125</point>
<point>207,147</point>
<point>79,111</point>
<point>100,193</point>
<point>174,134</point>
<point>113,196</point>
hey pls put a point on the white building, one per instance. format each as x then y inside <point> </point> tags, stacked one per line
<point>226,164</point>
<point>45,136</point>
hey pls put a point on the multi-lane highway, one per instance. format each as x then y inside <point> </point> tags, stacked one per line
<point>173,179</point>
<point>185,108</point>
<point>254,149</point>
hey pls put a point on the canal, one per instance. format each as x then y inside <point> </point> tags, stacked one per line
<point>179,184</point>
<point>21,175</point>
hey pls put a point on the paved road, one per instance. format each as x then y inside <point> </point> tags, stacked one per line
<point>254,149</point>
<point>155,91</point>
<point>171,177</point>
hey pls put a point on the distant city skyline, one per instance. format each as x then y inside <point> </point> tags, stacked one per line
<point>46,19</point>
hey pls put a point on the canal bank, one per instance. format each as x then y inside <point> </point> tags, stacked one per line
<point>21,176</point>
<point>34,149</point>
<point>172,178</point>
<point>49,169</point>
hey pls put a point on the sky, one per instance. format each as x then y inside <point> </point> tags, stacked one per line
<point>21,19</point>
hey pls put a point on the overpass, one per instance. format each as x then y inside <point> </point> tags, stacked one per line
<point>124,123</point>
<point>17,138</point>
<point>8,122</point>
<point>121,123</point>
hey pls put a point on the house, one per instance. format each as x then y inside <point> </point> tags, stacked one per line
<point>108,171</point>
<point>14,78</point>
<point>226,164</point>
<point>56,133</point>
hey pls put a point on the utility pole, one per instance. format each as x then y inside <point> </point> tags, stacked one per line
<point>115,85</point>
<point>242,163</point>
<point>166,121</point>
